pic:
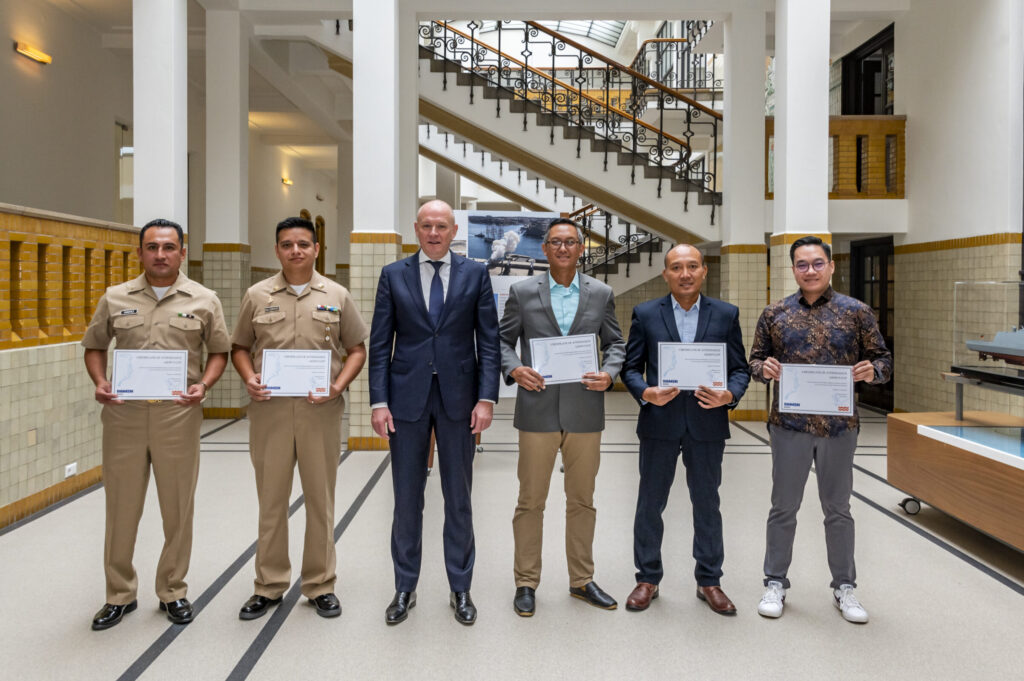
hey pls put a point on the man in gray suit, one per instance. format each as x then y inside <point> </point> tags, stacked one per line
<point>567,416</point>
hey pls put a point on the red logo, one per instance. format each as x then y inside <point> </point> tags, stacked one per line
<point>717,384</point>
<point>844,409</point>
<point>177,392</point>
<point>321,390</point>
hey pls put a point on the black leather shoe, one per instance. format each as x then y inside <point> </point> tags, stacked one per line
<point>256,607</point>
<point>179,611</point>
<point>327,605</point>
<point>592,593</point>
<point>400,606</point>
<point>524,601</point>
<point>109,615</point>
<point>465,611</point>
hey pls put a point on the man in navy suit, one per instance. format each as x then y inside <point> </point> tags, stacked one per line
<point>434,364</point>
<point>695,422</point>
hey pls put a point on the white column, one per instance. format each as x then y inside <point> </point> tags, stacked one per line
<point>801,116</point>
<point>384,112</point>
<point>447,186</point>
<point>227,126</point>
<point>160,109</point>
<point>345,195</point>
<point>743,129</point>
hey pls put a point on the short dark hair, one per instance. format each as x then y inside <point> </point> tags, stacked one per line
<point>161,222</point>
<point>563,221</point>
<point>809,241</point>
<point>292,223</point>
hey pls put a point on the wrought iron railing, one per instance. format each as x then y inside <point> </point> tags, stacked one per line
<point>607,250</point>
<point>671,62</point>
<point>630,112</point>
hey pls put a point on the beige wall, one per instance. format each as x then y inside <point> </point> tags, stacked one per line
<point>924,320</point>
<point>48,418</point>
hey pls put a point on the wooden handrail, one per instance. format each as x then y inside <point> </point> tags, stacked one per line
<point>636,74</point>
<point>566,86</point>
<point>655,40</point>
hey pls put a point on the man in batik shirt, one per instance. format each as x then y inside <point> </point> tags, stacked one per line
<point>816,325</point>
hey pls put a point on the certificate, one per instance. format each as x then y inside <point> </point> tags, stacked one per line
<point>564,359</point>
<point>149,374</point>
<point>688,366</point>
<point>816,389</point>
<point>296,373</point>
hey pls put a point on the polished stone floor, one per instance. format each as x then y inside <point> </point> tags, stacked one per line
<point>945,601</point>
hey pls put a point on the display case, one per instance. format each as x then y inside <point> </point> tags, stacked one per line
<point>988,337</point>
<point>970,465</point>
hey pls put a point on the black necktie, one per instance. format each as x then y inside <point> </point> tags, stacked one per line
<point>436,293</point>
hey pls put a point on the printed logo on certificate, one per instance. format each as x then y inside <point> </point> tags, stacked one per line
<point>296,373</point>
<point>564,359</point>
<point>149,374</point>
<point>824,389</point>
<point>688,366</point>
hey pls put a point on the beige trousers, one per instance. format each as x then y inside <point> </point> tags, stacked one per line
<point>581,454</point>
<point>284,431</point>
<point>137,435</point>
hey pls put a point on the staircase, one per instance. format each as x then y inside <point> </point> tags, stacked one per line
<point>596,131</point>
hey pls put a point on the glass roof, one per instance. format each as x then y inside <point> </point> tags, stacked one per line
<point>606,32</point>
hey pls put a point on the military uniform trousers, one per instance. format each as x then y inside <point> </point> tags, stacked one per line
<point>284,431</point>
<point>581,455</point>
<point>137,435</point>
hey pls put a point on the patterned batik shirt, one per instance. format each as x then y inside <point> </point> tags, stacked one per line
<point>837,330</point>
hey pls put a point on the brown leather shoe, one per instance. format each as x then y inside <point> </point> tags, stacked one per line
<point>641,597</point>
<point>716,599</point>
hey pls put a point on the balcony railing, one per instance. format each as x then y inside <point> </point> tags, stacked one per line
<point>53,270</point>
<point>867,157</point>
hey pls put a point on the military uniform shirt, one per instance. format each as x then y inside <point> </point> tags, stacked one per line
<point>188,317</point>
<point>322,317</point>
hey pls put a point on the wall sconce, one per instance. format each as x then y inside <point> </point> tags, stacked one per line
<point>286,181</point>
<point>32,53</point>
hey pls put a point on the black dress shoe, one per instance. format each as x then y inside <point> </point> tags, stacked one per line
<point>179,611</point>
<point>256,607</point>
<point>109,614</point>
<point>327,605</point>
<point>592,593</point>
<point>398,611</point>
<point>524,601</point>
<point>465,611</point>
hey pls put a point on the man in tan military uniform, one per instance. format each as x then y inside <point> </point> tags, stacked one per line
<point>161,309</point>
<point>296,309</point>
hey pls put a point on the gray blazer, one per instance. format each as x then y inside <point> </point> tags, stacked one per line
<point>568,407</point>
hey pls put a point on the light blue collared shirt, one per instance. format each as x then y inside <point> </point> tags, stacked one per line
<point>686,320</point>
<point>565,300</point>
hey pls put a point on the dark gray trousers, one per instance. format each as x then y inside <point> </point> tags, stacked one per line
<point>793,452</point>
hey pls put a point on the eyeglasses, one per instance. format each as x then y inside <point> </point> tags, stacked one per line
<point>558,243</point>
<point>804,267</point>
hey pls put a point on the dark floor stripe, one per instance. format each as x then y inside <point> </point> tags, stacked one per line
<point>160,645</point>
<point>970,560</point>
<point>79,494</point>
<point>220,428</point>
<point>748,431</point>
<point>280,614</point>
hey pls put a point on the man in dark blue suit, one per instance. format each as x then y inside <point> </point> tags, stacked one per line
<point>434,364</point>
<point>695,422</point>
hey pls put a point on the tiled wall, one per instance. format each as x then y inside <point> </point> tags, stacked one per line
<point>925,274</point>
<point>744,276</point>
<point>370,252</point>
<point>48,418</point>
<point>226,271</point>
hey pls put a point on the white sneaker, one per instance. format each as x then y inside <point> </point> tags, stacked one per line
<point>847,603</point>
<point>772,600</point>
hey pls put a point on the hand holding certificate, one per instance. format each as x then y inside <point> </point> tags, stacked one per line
<point>149,374</point>
<point>564,359</point>
<point>816,389</point>
<point>688,366</point>
<point>297,373</point>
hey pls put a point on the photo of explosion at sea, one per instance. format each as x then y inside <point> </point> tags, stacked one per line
<point>509,243</point>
